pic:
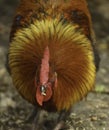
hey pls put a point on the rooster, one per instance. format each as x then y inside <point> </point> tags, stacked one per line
<point>52,56</point>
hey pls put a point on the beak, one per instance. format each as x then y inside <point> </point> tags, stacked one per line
<point>43,90</point>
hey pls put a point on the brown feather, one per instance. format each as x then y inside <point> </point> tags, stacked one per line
<point>71,57</point>
<point>65,27</point>
<point>71,10</point>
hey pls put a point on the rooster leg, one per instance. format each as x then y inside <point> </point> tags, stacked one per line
<point>61,120</point>
<point>32,115</point>
<point>63,115</point>
<point>60,126</point>
<point>39,120</point>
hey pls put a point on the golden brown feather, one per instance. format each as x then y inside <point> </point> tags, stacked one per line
<point>26,51</point>
<point>65,27</point>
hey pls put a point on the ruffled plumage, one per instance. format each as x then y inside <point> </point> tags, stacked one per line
<point>71,57</point>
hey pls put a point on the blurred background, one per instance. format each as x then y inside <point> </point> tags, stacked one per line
<point>92,114</point>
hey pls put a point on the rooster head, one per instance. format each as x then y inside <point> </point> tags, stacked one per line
<point>45,86</point>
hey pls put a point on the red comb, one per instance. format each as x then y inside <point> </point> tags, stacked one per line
<point>45,66</point>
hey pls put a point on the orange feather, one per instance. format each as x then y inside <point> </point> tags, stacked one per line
<point>64,27</point>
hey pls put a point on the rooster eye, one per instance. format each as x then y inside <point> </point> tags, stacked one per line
<point>18,19</point>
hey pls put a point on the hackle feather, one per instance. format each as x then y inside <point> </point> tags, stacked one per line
<point>71,57</point>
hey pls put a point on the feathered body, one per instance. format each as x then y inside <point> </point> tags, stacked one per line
<point>54,39</point>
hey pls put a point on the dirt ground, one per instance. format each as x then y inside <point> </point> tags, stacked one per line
<point>90,114</point>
